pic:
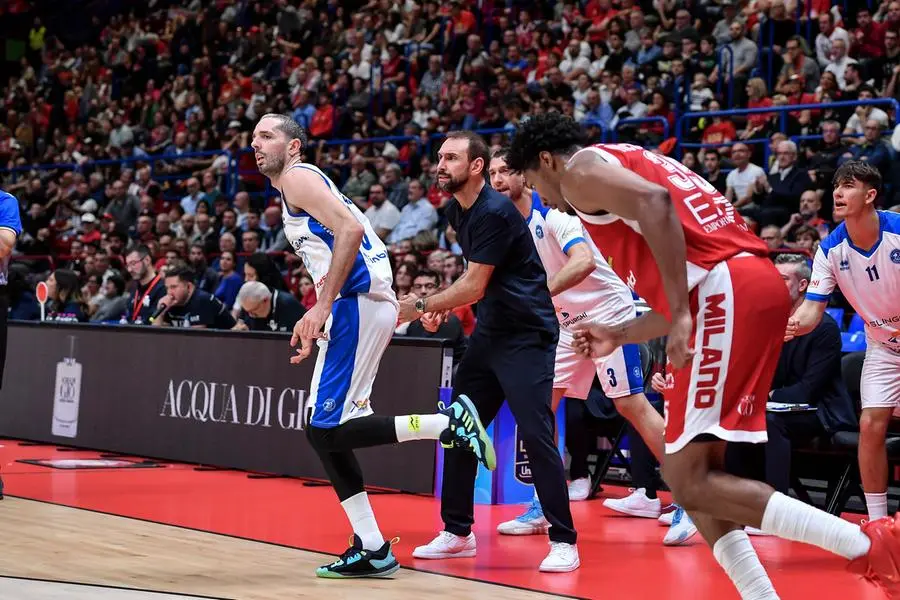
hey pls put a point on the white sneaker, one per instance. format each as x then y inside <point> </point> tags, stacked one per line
<point>579,489</point>
<point>665,519</point>
<point>681,530</point>
<point>447,545</point>
<point>636,505</point>
<point>562,558</point>
<point>531,522</point>
<point>755,532</point>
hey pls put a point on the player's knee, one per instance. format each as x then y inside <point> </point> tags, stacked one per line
<point>319,438</point>
<point>873,425</point>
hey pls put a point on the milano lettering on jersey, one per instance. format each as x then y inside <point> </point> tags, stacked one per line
<point>714,321</point>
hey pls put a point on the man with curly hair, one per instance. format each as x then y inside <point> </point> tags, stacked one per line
<point>680,245</point>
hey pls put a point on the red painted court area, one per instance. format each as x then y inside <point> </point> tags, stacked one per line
<point>621,557</point>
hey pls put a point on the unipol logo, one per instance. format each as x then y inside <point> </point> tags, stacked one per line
<point>251,405</point>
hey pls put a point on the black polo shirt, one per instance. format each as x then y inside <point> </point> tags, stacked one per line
<point>492,232</point>
<point>284,314</point>
<point>201,309</point>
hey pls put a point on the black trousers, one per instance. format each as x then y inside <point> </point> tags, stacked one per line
<point>519,369</point>
<point>335,446</point>
<point>578,438</point>
<point>771,462</point>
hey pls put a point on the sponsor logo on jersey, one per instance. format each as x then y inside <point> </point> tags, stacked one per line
<point>814,283</point>
<point>539,232</point>
<point>375,257</point>
<point>321,281</point>
<point>845,265</point>
<point>895,256</point>
<point>884,321</point>
<point>328,405</point>
<point>710,373</point>
<point>569,322</point>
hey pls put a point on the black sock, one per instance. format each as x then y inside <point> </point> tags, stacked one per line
<point>651,493</point>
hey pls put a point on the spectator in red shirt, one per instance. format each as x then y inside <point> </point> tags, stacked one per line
<point>868,37</point>
<point>90,233</point>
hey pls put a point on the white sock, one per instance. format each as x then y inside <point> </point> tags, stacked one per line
<point>362,519</point>
<point>793,520</point>
<point>876,504</point>
<point>739,560</point>
<point>420,427</point>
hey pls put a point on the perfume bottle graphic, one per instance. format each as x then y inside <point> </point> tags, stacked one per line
<point>67,394</point>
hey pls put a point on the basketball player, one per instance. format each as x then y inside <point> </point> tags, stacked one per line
<point>585,290</point>
<point>862,257</point>
<point>10,229</point>
<point>682,247</point>
<point>353,320</point>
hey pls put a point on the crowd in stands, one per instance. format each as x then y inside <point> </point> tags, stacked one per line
<point>84,120</point>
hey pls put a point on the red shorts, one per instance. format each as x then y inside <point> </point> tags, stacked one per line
<point>740,313</point>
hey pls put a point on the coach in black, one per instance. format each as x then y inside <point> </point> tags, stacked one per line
<point>511,352</point>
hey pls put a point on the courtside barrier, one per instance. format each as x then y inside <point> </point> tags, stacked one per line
<point>217,398</point>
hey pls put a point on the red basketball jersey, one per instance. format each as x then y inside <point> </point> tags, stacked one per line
<point>713,230</point>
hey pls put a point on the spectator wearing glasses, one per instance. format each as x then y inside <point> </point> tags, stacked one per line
<point>185,306</point>
<point>149,288</point>
<point>797,62</point>
<point>427,284</point>
<point>263,309</point>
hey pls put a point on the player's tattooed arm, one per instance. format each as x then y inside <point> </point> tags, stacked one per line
<point>305,190</point>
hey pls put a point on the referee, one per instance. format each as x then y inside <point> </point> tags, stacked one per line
<point>10,228</point>
<point>511,352</point>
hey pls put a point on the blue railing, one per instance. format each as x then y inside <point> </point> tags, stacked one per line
<point>781,110</point>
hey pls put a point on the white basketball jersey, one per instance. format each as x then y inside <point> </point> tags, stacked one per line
<point>870,281</point>
<point>313,243</point>
<point>602,297</point>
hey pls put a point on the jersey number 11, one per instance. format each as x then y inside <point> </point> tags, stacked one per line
<point>872,272</point>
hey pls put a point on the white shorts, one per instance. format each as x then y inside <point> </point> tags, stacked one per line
<point>620,373</point>
<point>880,382</point>
<point>357,334</point>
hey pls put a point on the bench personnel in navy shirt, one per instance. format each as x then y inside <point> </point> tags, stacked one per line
<point>186,306</point>
<point>10,228</point>
<point>511,353</point>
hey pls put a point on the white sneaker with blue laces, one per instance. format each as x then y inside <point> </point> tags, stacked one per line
<point>681,530</point>
<point>531,522</point>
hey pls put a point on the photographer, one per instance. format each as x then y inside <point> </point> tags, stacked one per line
<point>186,306</point>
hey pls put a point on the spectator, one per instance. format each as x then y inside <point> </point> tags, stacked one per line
<point>771,235</point>
<point>114,302</point>
<point>65,303</point>
<point>382,214</point>
<point>839,62</point>
<point>777,196</point>
<point>741,180</point>
<point>872,149</point>
<point>712,171</point>
<point>250,241</point>
<point>274,239</point>
<point>205,278</point>
<point>823,158</point>
<point>149,287</point>
<point>808,216</point>
<point>307,292</point>
<point>229,279</point>
<point>868,37</point>
<point>745,55</point>
<point>798,62</point>
<point>263,309</point>
<point>828,33</point>
<point>418,215</point>
<point>185,306</point>
<point>358,183</point>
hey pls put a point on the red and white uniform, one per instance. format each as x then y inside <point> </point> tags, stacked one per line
<point>739,301</point>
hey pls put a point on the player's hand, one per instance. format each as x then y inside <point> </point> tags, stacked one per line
<point>793,326</point>
<point>658,382</point>
<point>303,351</point>
<point>432,321</point>
<point>310,325</point>
<point>678,342</point>
<point>596,341</point>
<point>408,310</point>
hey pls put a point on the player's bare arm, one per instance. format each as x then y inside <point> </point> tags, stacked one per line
<point>634,198</point>
<point>805,319</point>
<point>303,190</point>
<point>7,242</point>
<point>469,288</point>
<point>579,266</point>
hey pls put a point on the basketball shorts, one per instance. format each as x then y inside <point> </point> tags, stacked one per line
<point>356,336</point>
<point>880,381</point>
<point>740,313</point>
<point>620,373</point>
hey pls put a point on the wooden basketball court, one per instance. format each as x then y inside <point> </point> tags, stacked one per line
<point>172,532</point>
